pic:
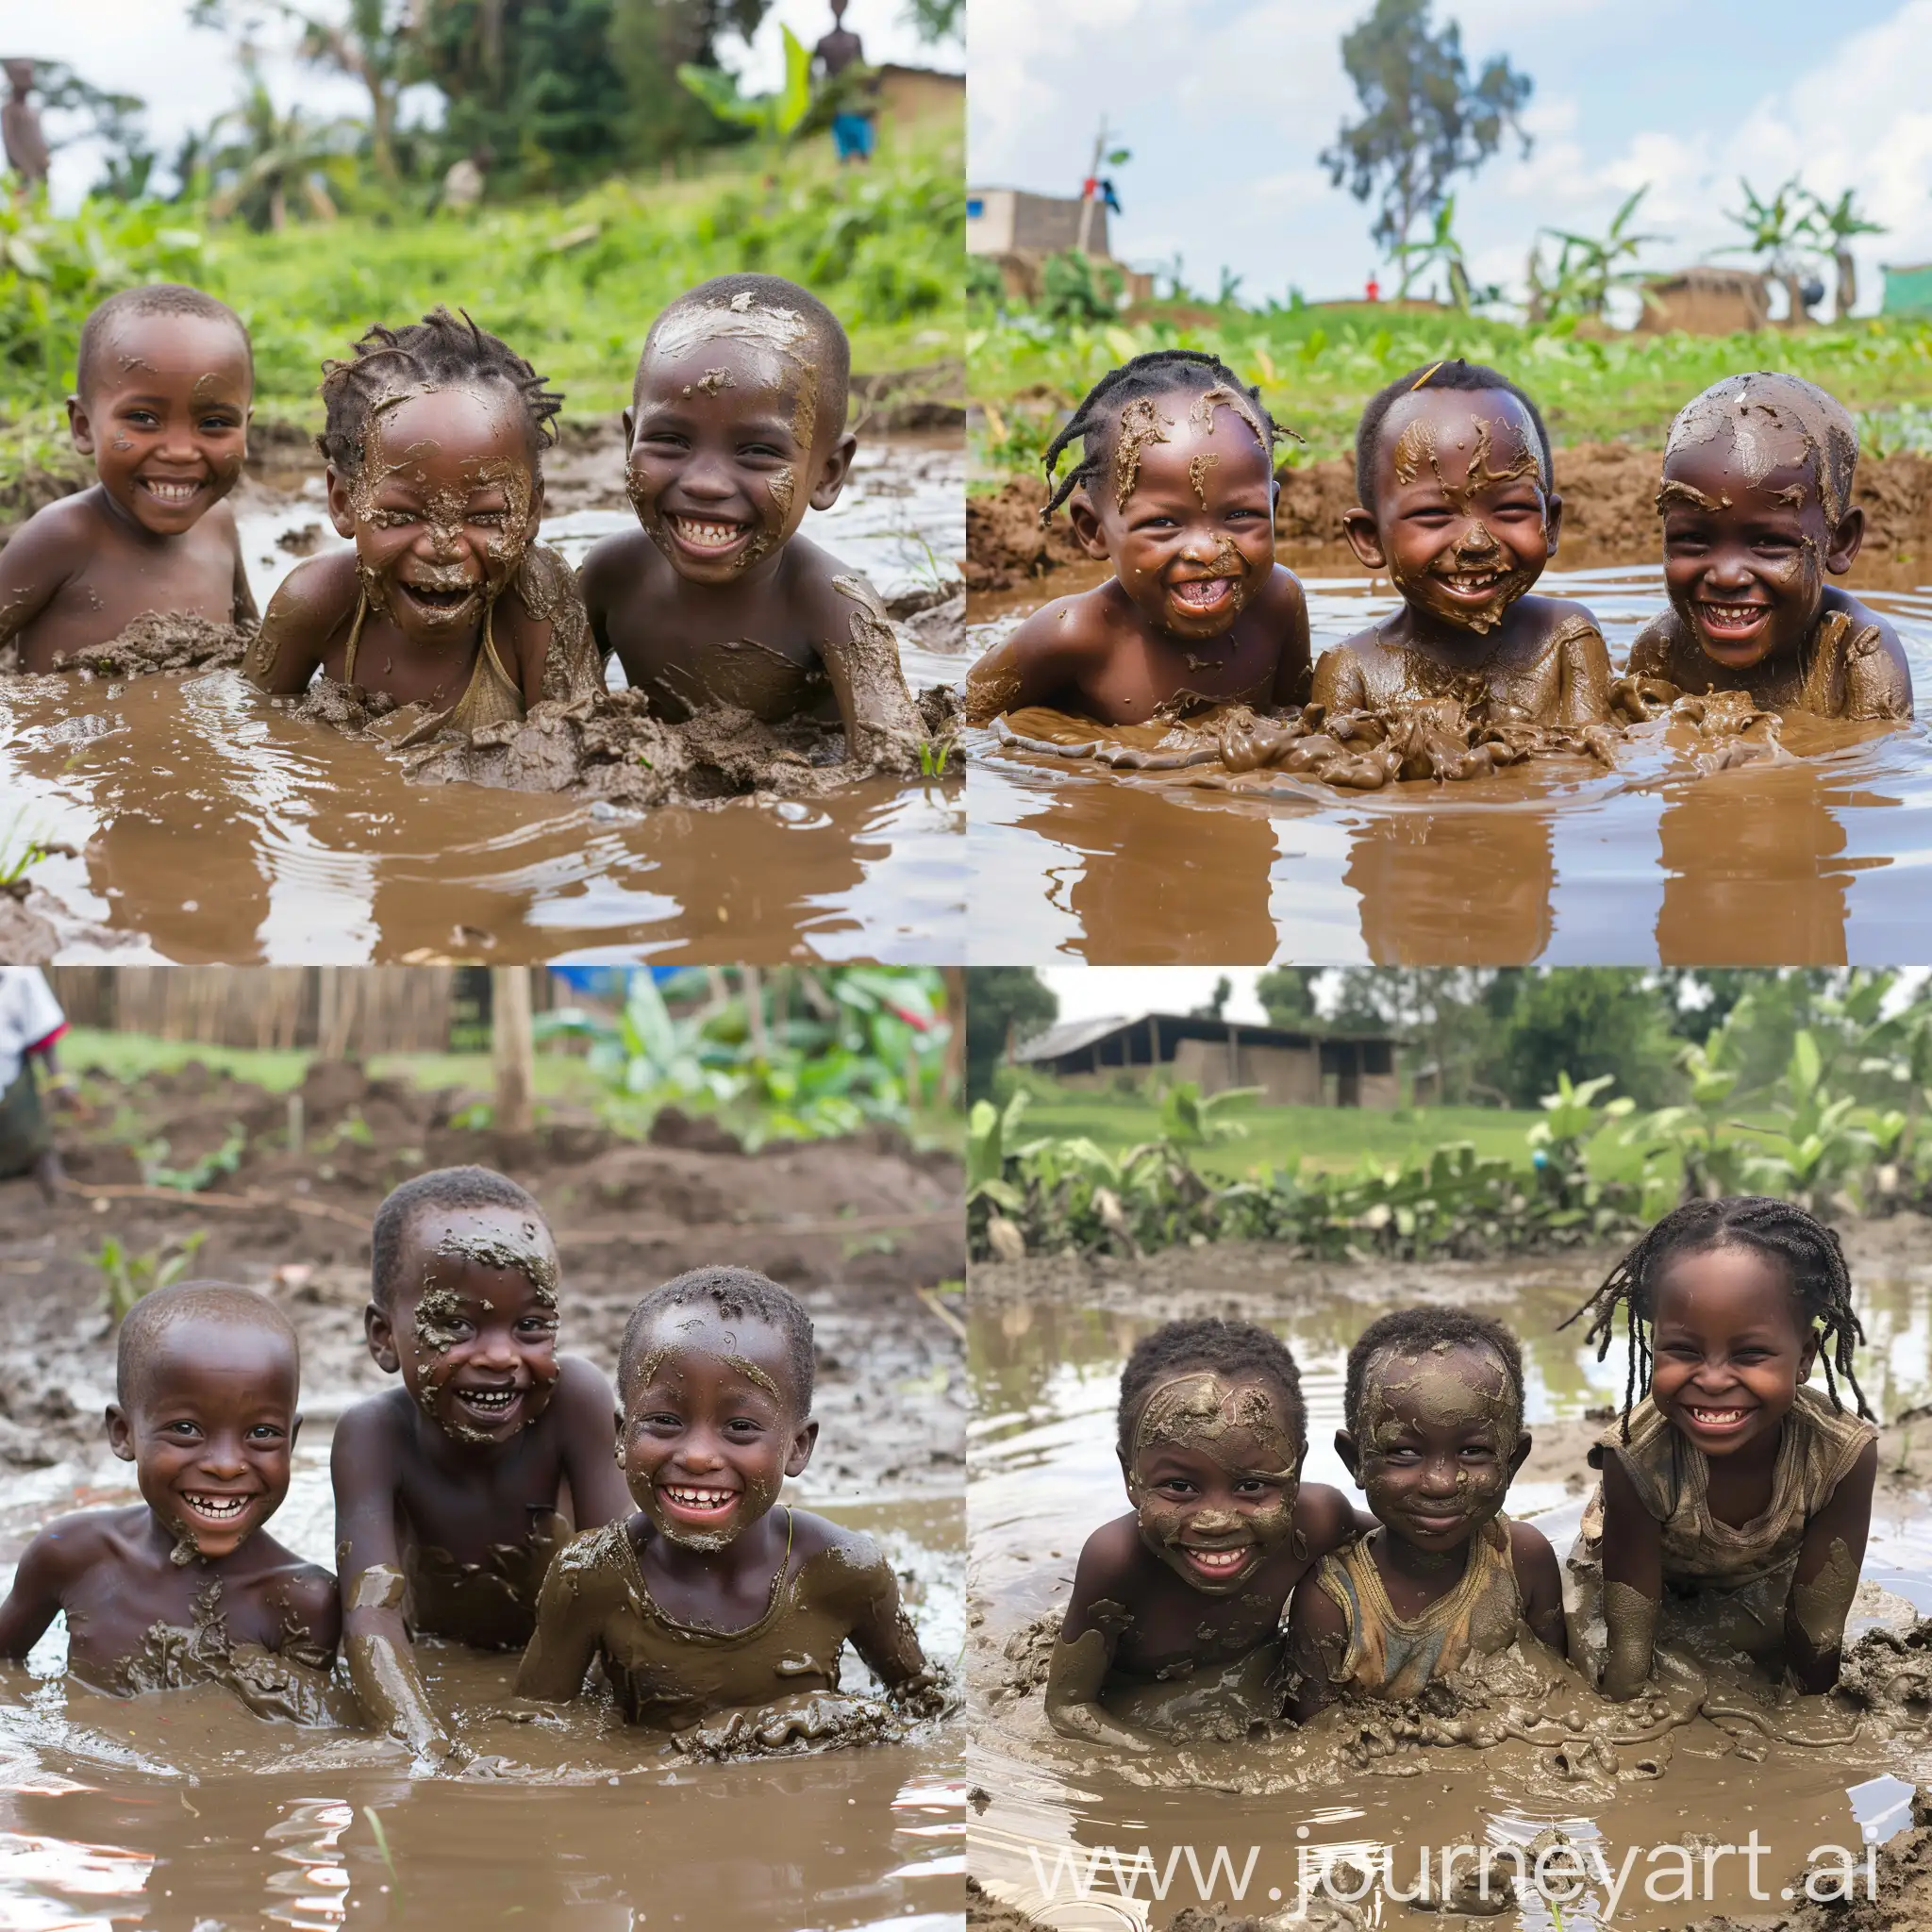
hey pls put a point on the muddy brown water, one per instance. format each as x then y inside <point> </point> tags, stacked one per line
<point>1046,1345</point>
<point>221,831</point>
<point>1820,861</point>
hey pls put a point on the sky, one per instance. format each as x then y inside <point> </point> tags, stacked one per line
<point>1227,104</point>
<point>188,74</point>
<point>1096,993</point>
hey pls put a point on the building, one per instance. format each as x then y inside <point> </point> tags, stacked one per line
<point>1908,289</point>
<point>1705,301</point>
<point>1020,230</point>
<point>911,94</point>
<point>1292,1067</point>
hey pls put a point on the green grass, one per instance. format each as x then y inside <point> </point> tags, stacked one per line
<point>1316,366</point>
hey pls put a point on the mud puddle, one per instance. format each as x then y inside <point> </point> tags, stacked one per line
<point>222,830</point>
<point>1816,861</point>
<point>1047,1343</point>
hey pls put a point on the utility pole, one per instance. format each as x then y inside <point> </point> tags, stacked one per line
<point>1090,194</point>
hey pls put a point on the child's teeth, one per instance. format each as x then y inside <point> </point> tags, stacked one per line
<point>698,1499</point>
<point>172,492</point>
<point>217,1506</point>
<point>712,535</point>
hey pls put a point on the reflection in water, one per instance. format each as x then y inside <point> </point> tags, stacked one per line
<point>1554,862</point>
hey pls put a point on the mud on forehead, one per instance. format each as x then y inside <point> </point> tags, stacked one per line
<point>701,1329</point>
<point>798,341</point>
<point>1450,1383</point>
<point>1770,421</point>
<point>1208,1409</point>
<point>1419,439</point>
<point>497,1237</point>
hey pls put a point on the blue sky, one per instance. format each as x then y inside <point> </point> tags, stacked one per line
<point>1226,105</point>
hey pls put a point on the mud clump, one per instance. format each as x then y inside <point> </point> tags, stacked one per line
<point>163,641</point>
<point>985,1913</point>
<point>1006,542</point>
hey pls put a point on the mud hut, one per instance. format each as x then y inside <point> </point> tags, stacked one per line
<point>1705,301</point>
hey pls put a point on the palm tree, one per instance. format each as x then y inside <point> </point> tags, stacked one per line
<point>1440,249</point>
<point>1588,267</point>
<point>275,154</point>
<point>1838,221</point>
<point>1781,231</point>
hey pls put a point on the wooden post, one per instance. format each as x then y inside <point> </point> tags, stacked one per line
<point>512,1048</point>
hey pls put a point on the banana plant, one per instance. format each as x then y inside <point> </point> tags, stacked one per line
<point>774,118</point>
<point>1191,1119</point>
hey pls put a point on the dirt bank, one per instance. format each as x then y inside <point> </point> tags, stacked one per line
<point>856,1227</point>
<point>1608,516</point>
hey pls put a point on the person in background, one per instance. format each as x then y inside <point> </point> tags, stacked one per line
<point>852,133</point>
<point>31,1021</point>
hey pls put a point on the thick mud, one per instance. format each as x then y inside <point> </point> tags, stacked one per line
<point>184,1810</point>
<point>1522,1754</point>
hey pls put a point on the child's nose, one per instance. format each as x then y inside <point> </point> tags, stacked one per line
<point>221,1456</point>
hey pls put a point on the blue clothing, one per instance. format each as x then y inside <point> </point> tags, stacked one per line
<point>853,136</point>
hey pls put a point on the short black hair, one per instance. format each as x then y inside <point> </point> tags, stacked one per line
<point>1096,424</point>
<point>1810,1252</point>
<point>163,1308</point>
<point>449,1187</point>
<point>1210,1342</point>
<point>1457,374</point>
<point>739,1294</point>
<point>827,333</point>
<point>442,350</point>
<point>151,298</point>
<point>1415,1331</point>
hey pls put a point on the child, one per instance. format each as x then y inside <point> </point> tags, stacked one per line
<point>1434,1433</point>
<point>715,1597</point>
<point>1176,488</point>
<point>434,442</point>
<point>1756,503</point>
<point>737,425</point>
<point>1727,1483</point>
<point>205,1384</point>
<point>31,1023</point>
<point>1459,509</point>
<point>1211,1433</point>
<point>165,385</point>
<point>449,1490</point>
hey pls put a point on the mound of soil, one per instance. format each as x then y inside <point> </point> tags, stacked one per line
<point>853,1227</point>
<point>163,641</point>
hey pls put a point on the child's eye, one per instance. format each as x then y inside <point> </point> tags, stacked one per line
<point>265,1432</point>
<point>141,419</point>
<point>393,518</point>
<point>487,516</point>
<point>183,1430</point>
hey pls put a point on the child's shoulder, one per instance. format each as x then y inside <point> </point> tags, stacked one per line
<point>65,523</point>
<point>1091,616</point>
<point>70,1547</point>
<point>1111,1553</point>
<point>1877,674</point>
<point>1324,1517</point>
<point>321,590</point>
<point>1556,619</point>
<point>378,1422</point>
<point>812,1535</point>
<point>618,559</point>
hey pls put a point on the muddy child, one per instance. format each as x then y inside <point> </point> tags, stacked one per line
<point>1757,508</point>
<point>453,1491</point>
<point>1459,511</point>
<point>187,1585</point>
<point>736,427</point>
<point>165,385</point>
<point>433,440</point>
<point>1191,1583</point>
<point>1433,1432</point>
<point>1734,1499</point>
<point>719,1613</point>
<point>1175,490</point>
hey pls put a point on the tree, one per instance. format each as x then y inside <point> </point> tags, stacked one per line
<point>1837,222</point>
<point>1003,1003</point>
<point>1454,1017</point>
<point>1584,1021</point>
<point>512,1048</point>
<point>651,40</point>
<point>1781,232</point>
<point>1441,247</point>
<point>275,154</point>
<point>1423,121</point>
<point>937,20</point>
<point>113,119</point>
<point>1216,1006</point>
<point>1288,994</point>
<point>1588,267</point>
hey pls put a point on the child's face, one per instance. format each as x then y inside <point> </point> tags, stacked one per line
<point>1441,1435</point>
<point>473,1328</point>
<point>1185,513</point>
<point>714,1425</point>
<point>1462,521</point>
<point>446,501</point>
<point>1213,1468</point>
<point>727,448</point>
<point>1728,1348</point>
<point>165,417</point>
<point>211,1431</point>
<point>1745,562</point>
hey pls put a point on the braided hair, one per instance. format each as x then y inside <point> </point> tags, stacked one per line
<point>1096,424</point>
<point>442,350</point>
<point>1454,375</point>
<point>1777,1230</point>
<point>1210,1342</point>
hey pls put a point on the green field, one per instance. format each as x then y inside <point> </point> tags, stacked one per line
<point>1317,365</point>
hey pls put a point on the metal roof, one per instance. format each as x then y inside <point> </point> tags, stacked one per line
<point>1071,1036</point>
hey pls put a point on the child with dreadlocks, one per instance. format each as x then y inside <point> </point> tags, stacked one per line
<point>1734,1499</point>
<point>1176,488</point>
<point>1756,505</point>
<point>433,441</point>
<point>1192,1582</point>
<point>1459,511</point>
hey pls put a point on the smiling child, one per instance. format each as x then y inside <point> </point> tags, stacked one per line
<point>1459,511</point>
<point>450,1489</point>
<point>434,441</point>
<point>1434,1433</point>
<point>1756,503</point>
<point>718,1611</point>
<point>1193,1581</point>
<point>1735,1500</point>
<point>163,389</point>
<point>1176,488</point>
<point>207,1378</point>
<point>735,428</point>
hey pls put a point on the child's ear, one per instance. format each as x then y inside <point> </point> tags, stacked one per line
<point>1553,520</point>
<point>341,513</point>
<point>380,1334</point>
<point>1844,542</point>
<point>1358,527</point>
<point>294,1433</point>
<point>1346,1447</point>
<point>534,518</point>
<point>79,427</point>
<point>1086,522</point>
<point>1809,1356</point>
<point>1520,1455</point>
<point>803,1445</point>
<point>629,420</point>
<point>120,1432</point>
<point>833,471</point>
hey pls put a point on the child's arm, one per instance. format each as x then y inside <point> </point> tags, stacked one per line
<point>1539,1584</point>
<point>1090,1635</point>
<point>1878,678</point>
<point>245,610</point>
<point>40,557</point>
<point>585,1412</point>
<point>1827,1575</point>
<point>1317,1639</point>
<point>313,1615</point>
<point>571,1609</point>
<point>1051,653</point>
<point>314,601</point>
<point>382,1666</point>
<point>882,1633</point>
<point>1584,694</point>
<point>1290,606</point>
<point>861,657</point>
<point>1652,654</point>
<point>1338,684</point>
<point>544,633</point>
<point>51,1562</point>
<point>1633,1584</point>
